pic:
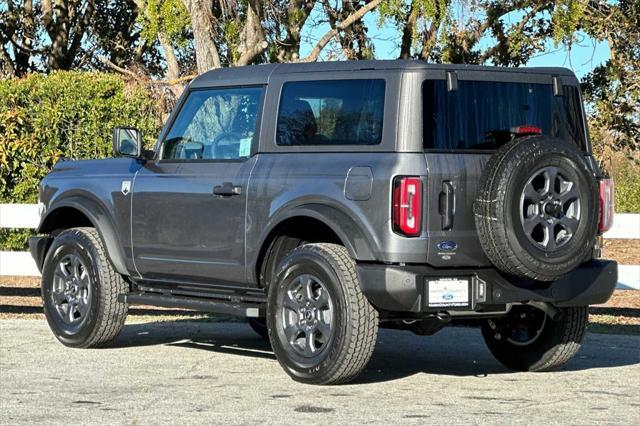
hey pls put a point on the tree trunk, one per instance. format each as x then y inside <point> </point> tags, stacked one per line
<point>253,38</point>
<point>65,23</point>
<point>207,56</point>
<point>408,32</point>
<point>173,69</point>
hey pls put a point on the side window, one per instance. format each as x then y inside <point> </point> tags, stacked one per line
<point>332,112</point>
<point>216,124</point>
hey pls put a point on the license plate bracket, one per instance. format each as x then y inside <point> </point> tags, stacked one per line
<point>450,292</point>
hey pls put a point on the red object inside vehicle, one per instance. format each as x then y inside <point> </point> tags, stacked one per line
<point>526,129</point>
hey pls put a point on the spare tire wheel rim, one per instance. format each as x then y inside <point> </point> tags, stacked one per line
<point>550,208</point>
<point>307,315</point>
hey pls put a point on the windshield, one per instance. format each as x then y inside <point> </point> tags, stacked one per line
<point>480,114</point>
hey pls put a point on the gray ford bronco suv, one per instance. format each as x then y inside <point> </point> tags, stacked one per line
<point>325,200</point>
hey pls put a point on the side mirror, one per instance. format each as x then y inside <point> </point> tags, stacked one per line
<point>127,142</point>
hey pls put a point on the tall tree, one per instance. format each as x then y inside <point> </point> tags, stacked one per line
<point>66,23</point>
<point>18,37</point>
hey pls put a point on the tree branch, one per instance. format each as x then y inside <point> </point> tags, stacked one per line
<point>117,68</point>
<point>523,22</point>
<point>326,38</point>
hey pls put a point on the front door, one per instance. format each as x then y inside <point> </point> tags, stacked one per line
<point>188,212</point>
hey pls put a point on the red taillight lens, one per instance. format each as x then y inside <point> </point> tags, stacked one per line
<point>407,205</point>
<point>526,129</point>
<point>607,204</point>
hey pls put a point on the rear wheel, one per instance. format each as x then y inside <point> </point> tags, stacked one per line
<point>528,340</point>
<point>80,290</point>
<point>321,327</point>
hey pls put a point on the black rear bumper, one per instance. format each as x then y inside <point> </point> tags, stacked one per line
<point>404,288</point>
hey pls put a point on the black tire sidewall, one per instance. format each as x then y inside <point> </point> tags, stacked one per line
<point>297,263</point>
<point>536,354</point>
<point>71,242</point>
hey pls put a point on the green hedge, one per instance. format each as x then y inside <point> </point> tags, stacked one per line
<point>64,114</point>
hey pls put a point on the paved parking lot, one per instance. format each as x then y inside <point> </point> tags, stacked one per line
<point>189,372</point>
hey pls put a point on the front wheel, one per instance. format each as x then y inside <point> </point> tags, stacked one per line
<point>80,290</point>
<point>321,326</point>
<point>528,340</point>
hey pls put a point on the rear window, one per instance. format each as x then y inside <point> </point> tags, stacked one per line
<point>480,114</point>
<point>332,112</point>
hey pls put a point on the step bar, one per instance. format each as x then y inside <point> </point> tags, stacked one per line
<point>226,307</point>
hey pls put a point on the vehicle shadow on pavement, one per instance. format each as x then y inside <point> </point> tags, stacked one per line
<point>398,354</point>
<point>195,334</point>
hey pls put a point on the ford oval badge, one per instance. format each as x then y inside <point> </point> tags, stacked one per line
<point>447,245</point>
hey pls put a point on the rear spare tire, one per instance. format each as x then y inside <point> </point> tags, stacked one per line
<point>537,208</point>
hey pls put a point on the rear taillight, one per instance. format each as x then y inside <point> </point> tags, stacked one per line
<point>526,129</point>
<point>607,207</point>
<point>407,205</point>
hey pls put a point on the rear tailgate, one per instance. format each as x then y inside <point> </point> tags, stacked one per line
<point>451,188</point>
<point>463,125</point>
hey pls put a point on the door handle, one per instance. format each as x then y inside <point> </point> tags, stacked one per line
<point>227,189</point>
<point>447,201</point>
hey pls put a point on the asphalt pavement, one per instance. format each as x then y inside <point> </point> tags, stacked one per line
<point>189,372</point>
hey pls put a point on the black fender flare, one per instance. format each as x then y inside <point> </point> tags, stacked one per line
<point>101,220</point>
<point>353,235</point>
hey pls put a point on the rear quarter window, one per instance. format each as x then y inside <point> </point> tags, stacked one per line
<point>480,114</point>
<point>331,112</point>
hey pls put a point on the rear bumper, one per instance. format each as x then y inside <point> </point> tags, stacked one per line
<point>38,247</point>
<point>404,288</point>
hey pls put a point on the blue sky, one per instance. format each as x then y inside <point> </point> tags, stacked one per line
<point>583,56</point>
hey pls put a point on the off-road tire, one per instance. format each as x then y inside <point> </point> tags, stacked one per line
<point>356,320</point>
<point>496,208</point>
<point>106,315</point>
<point>557,344</point>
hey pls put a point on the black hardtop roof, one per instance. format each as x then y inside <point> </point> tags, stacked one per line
<point>260,74</point>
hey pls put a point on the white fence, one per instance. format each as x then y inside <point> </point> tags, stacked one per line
<point>625,226</point>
